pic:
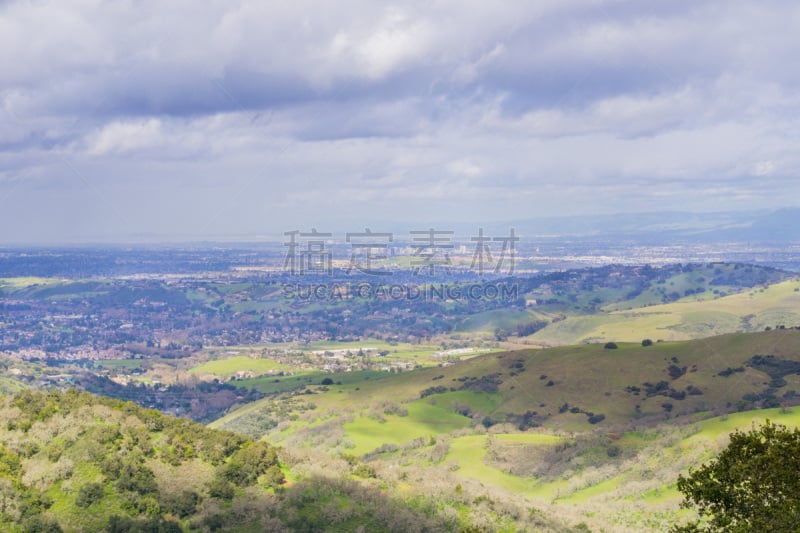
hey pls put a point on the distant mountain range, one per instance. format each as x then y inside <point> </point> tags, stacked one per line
<point>656,227</point>
<point>782,225</point>
<point>768,226</point>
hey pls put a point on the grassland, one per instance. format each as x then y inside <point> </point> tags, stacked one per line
<point>239,365</point>
<point>617,475</point>
<point>422,420</point>
<point>589,378</point>
<point>466,419</point>
<point>691,318</point>
<point>23,282</point>
<point>595,434</point>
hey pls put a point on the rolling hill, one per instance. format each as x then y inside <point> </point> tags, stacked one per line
<point>690,318</point>
<point>589,433</point>
<point>75,462</point>
<point>564,387</point>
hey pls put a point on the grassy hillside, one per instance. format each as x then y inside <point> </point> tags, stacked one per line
<point>673,302</point>
<point>591,434</point>
<point>612,482</point>
<point>74,462</point>
<point>692,317</point>
<point>566,388</point>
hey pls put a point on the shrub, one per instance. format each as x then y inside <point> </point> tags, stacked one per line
<point>183,504</point>
<point>248,463</point>
<point>88,494</point>
<point>274,477</point>
<point>137,478</point>
<point>40,524</point>
<point>221,488</point>
<point>365,471</point>
<point>439,389</point>
<point>676,371</point>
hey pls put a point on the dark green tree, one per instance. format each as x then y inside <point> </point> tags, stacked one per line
<point>89,494</point>
<point>752,486</point>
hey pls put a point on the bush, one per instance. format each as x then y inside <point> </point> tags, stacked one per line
<point>675,371</point>
<point>183,504</point>
<point>610,346</point>
<point>88,494</point>
<point>439,389</point>
<point>137,478</point>
<point>647,342</point>
<point>39,524</point>
<point>273,477</point>
<point>221,488</point>
<point>365,471</point>
<point>248,463</point>
<point>119,524</point>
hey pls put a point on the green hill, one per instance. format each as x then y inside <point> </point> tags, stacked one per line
<point>690,318</point>
<point>590,434</point>
<point>566,388</point>
<point>672,302</point>
<point>74,462</point>
<point>564,439</point>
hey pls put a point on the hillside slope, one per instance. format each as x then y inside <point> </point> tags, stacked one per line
<point>74,462</point>
<point>692,317</point>
<point>574,387</point>
<point>590,434</point>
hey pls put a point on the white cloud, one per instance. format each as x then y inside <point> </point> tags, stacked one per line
<point>464,168</point>
<point>396,42</point>
<point>764,168</point>
<point>120,137</point>
<point>504,105</point>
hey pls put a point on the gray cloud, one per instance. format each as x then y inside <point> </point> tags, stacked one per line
<point>243,117</point>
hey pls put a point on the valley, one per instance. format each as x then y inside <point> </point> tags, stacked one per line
<point>569,401</point>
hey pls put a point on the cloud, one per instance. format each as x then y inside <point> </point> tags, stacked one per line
<point>464,168</point>
<point>764,168</point>
<point>260,112</point>
<point>122,137</point>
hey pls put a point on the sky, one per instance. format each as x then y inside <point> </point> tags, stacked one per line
<point>149,120</point>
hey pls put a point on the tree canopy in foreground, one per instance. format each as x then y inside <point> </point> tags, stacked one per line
<point>752,486</point>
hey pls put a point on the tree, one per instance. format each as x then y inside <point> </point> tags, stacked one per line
<point>610,346</point>
<point>752,486</point>
<point>89,494</point>
<point>647,342</point>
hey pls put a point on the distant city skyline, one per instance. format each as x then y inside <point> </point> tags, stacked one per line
<point>161,122</point>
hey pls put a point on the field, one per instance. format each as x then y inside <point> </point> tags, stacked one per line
<point>752,310</point>
<point>618,470</point>
<point>481,418</point>
<point>239,364</point>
